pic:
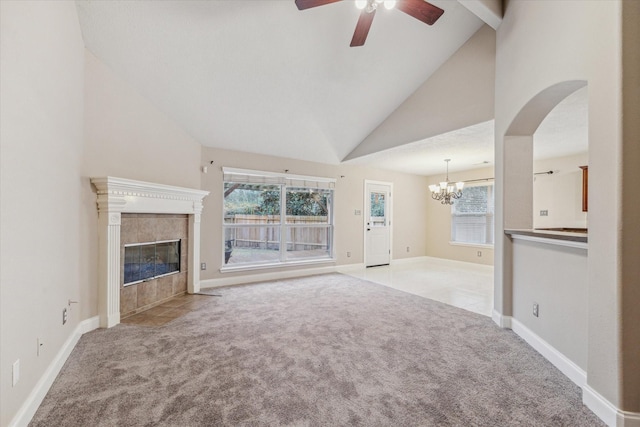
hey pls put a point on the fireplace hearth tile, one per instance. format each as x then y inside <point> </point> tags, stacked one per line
<point>128,300</point>
<point>179,283</point>
<point>165,287</point>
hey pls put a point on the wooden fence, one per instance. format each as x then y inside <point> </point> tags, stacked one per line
<point>265,236</point>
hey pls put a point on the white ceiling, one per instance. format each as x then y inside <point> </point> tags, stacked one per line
<point>262,76</point>
<point>563,132</point>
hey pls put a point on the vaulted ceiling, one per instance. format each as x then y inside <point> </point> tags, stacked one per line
<point>264,77</point>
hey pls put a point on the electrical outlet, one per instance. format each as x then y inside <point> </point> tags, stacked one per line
<point>535,309</point>
<point>16,372</point>
<point>407,248</point>
<point>65,315</point>
<point>544,213</point>
<point>203,266</point>
<point>348,254</point>
<point>479,254</point>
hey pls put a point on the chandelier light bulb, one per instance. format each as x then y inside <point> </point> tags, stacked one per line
<point>361,4</point>
<point>389,4</point>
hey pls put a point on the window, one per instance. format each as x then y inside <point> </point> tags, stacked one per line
<point>272,219</point>
<point>472,216</point>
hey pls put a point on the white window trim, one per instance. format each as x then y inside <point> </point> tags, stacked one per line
<point>472,245</point>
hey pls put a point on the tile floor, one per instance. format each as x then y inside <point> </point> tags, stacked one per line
<point>461,284</point>
<point>167,311</point>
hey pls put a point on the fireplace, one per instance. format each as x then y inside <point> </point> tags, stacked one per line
<point>123,203</point>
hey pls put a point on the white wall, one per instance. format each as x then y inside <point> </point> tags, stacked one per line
<point>42,74</point>
<point>560,194</point>
<point>409,204</point>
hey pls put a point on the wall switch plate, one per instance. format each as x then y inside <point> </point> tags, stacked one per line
<point>203,266</point>
<point>535,309</point>
<point>16,372</point>
<point>65,315</point>
<point>479,254</point>
<point>407,248</point>
<point>357,212</point>
<point>348,254</point>
<point>544,213</point>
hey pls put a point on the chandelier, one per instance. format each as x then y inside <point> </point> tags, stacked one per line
<point>446,191</point>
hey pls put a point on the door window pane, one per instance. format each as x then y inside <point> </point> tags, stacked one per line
<point>377,209</point>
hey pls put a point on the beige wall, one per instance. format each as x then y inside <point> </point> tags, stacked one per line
<point>438,220</point>
<point>41,78</point>
<point>64,118</point>
<point>409,205</point>
<point>557,282</point>
<point>125,136</point>
<point>539,45</point>
<point>560,193</point>
<point>450,99</point>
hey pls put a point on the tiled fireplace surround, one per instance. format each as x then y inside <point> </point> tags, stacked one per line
<point>143,228</point>
<point>160,212</point>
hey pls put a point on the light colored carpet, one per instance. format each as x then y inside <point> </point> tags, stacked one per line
<point>327,350</point>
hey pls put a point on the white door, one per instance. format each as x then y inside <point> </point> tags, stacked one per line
<point>378,224</point>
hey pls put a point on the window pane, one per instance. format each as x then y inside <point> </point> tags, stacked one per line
<point>251,245</point>
<point>472,216</point>
<point>251,203</point>
<point>167,258</point>
<point>308,242</point>
<point>131,264</point>
<point>308,206</point>
<point>147,261</point>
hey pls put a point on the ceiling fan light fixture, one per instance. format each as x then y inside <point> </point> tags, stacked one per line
<point>389,4</point>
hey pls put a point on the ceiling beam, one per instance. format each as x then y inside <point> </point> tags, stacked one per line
<point>489,11</point>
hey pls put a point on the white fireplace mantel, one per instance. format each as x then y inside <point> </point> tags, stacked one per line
<point>120,195</point>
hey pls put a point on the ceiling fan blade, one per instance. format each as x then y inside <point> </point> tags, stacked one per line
<point>421,10</point>
<point>308,4</point>
<point>362,28</point>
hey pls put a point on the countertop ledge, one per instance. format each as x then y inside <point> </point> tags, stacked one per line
<point>547,234</point>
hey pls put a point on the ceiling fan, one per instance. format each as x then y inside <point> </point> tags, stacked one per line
<point>419,9</point>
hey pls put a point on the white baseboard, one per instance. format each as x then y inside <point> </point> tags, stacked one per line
<point>600,406</point>
<point>348,268</point>
<point>37,395</point>
<point>559,360</point>
<point>606,411</point>
<point>409,260</point>
<point>263,277</point>
<point>500,320</point>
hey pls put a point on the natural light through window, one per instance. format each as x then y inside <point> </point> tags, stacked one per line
<point>272,219</point>
<point>472,216</point>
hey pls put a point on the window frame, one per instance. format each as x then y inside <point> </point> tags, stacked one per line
<point>487,214</point>
<point>284,182</point>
